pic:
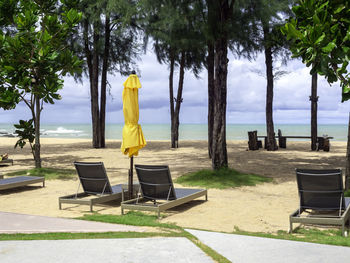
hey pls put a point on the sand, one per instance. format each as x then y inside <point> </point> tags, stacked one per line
<point>264,208</point>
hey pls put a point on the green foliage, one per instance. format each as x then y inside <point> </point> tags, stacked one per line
<point>131,218</point>
<point>34,56</point>
<point>221,179</point>
<point>347,193</point>
<point>48,173</point>
<point>26,132</point>
<point>62,236</point>
<point>175,27</point>
<point>320,35</point>
<point>91,39</point>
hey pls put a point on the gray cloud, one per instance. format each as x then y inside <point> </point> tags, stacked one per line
<point>245,97</point>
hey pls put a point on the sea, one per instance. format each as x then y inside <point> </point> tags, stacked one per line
<point>186,131</point>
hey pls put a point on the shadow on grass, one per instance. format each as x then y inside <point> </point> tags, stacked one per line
<point>48,173</point>
<point>221,179</point>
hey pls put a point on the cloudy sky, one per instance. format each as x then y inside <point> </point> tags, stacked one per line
<point>246,97</point>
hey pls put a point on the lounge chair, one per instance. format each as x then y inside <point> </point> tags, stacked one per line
<point>6,161</point>
<point>157,186</point>
<point>14,182</point>
<point>322,199</point>
<point>96,186</point>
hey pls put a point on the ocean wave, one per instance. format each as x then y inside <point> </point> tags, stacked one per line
<point>62,130</point>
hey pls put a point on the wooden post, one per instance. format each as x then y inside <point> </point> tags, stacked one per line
<point>282,141</point>
<point>253,140</point>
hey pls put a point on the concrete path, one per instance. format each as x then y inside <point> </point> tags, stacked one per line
<point>244,249</point>
<point>19,223</point>
<point>134,250</point>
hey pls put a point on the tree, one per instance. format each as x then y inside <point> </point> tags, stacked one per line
<point>34,56</point>
<point>176,42</point>
<point>222,12</point>
<point>320,36</point>
<point>107,42</point>
<point>265,19</point>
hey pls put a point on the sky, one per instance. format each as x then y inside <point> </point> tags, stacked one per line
<point>245,97</point>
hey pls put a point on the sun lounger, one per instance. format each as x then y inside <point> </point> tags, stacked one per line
<point>96,186</point>
<point>6,161</point>
<point>322,199</point>
<point>14,182</point>
<point>157,187</point>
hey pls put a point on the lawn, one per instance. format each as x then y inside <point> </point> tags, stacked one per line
<point>221,179</point>
<point>48,173</point>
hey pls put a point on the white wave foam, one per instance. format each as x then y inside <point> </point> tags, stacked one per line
<point>62,130</point>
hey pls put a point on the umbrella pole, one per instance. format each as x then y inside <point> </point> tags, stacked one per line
<point>131,175</point>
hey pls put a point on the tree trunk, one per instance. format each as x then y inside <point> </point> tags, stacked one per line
<point>347,170</point>
<point>210,62</point>
<point>270,130</point>
<point>36,118</point>
<point>102,118</point>
<point>219,150</point>
<point>171,97</point>
<point>314,99</point>
<point>179,100</point>
<point>94,89</point>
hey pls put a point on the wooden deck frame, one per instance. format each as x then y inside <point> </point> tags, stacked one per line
<point>97,199</point>
<point>137,204</point>
<point>320,220</point>
<point>34,180</point>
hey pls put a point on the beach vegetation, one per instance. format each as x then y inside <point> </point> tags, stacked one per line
<point>35,56</point>
<point>266,18</point>
<point>177,41</point>
<point>221,179</point>
<point>107,43</point>
<point>130,218</point>
<point>319,34</point>
<point>48,173</point>
<point>26,133</point>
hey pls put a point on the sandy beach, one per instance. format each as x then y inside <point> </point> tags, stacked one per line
<point>264,207</point>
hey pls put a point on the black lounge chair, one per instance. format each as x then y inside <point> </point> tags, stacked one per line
<point>95,183</point>
<point>322,199</point>
<point>157,186</point>
<point>6,161</point>
<point>18,181</point>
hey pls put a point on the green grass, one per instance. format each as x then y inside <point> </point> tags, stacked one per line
<point>347,193</point>
<point>58,236</point>
<point>221,179</point>
<point>312,235</point>
<point>48,173</point>
<point>130,218</point>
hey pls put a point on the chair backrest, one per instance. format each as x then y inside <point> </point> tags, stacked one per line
<point>155,182</point>
<point>320,189</point>
<point>93,177</point>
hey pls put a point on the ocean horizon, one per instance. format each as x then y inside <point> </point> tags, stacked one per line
<point>186,131</point>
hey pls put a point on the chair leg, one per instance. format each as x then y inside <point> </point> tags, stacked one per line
<point>122,211</point>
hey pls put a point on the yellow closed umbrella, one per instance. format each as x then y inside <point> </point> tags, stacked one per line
<point>133,139</point>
